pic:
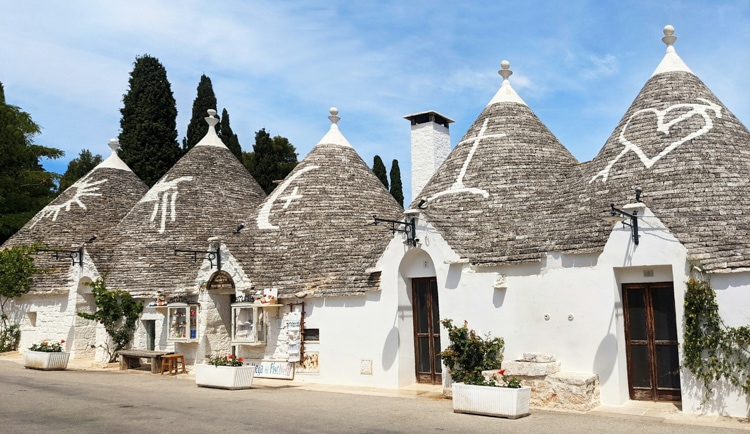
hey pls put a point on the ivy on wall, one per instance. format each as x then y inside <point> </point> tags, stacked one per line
<point>711,350</point>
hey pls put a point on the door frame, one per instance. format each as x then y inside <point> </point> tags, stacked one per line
<point>655,393</point>
<point>435,376</point>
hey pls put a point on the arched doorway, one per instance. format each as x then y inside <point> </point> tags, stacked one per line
<point>422,330</point>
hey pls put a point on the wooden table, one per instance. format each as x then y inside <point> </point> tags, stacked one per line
<point>132,359</point>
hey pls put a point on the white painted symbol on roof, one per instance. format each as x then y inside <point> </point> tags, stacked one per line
<point>291,197</point>
<point>663,127</point>
<point>167,201</point>
<point>82,188</point>
<point>458,186</point>
<point>265,212</point>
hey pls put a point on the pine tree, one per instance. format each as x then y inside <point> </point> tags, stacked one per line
<point>228,137</point>
<point>197,128</point>
<point>77,168</point>
<point>148,137</point>
<point>378,168</point>
<point>396,189</point>
<point>271,159</point>
<point>25,187</point>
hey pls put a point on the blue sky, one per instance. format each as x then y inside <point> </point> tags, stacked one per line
<point>280,65</point>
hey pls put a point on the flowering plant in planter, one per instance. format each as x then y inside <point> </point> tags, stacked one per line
<point>228,360</point>
<point>500,380</point>
<point>47,347</point>
<point>469,354</point>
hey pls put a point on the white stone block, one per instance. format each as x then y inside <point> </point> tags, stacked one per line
<point>530,369</point>
<point>539,357</point>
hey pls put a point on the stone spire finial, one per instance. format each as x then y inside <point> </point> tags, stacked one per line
<point>669,37</point>
<point>334,115</point>
<point>505,72</point>
<point>114,145</point>
<point>211,119</point>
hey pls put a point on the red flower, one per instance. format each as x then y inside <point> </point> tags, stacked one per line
<point>501,372</point>
<point>62,341</point>
<point>230,357</point>
<point>241,359</point>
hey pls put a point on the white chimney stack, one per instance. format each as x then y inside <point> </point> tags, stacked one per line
<point>430,146</point>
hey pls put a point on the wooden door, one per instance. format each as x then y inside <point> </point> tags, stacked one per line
<point>426,330</point>
<point>651,338</point>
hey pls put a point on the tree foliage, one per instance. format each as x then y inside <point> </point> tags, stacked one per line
<point>78,168</point>
<point>228,137</point>
<point>148,137</point>
<point>204,101</point>
<point>271,160</point>
<point>378,168</point>
<point>397,190</point>
<point>469,354</point>
<point>17,271</point>
<point>25,187</point>
<point>118,312</point>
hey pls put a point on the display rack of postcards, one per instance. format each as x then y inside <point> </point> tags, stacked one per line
<point>250,323</point>
<point>183,322</point>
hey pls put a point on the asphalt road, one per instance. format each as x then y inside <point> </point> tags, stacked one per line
<point>75,401</point>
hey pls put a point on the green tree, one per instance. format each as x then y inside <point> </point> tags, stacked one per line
<point>16,273</point>
<point>25,187</point>
<point>77,168</point>
<point>228,137</point>
<point>118,312</point>
<point>197,128</point>
<point>271,160</point>
<point>148,137</point>
<point>378,168</point>
<point>397,190</point>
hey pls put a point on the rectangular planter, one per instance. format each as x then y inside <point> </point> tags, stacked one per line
<point>45,361</point>
<point>491,401</point>
<point>224,377</point>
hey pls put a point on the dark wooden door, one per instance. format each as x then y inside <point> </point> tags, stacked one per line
<point>426,330</point>
<point>651,338</point>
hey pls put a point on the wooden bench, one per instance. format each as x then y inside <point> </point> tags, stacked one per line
<point>132,359</point>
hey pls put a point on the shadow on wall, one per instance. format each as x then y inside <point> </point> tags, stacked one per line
<point>605,358</point>
<point>454,276</point>
<point>390,349</point>
<point>498,297</point>
<point>716,404</point>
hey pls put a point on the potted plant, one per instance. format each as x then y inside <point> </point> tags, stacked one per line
<point>46,356</point>
<point>480,387</point>
<point>224,372</point>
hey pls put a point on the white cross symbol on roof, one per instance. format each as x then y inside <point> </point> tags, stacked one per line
<point>291,197</point>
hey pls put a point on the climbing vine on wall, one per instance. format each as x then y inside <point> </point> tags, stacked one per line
<point>711,350</point>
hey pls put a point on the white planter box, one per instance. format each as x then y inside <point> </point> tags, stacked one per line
<point>224,377</point>
<point>45,361</point>
<point>491,401</point>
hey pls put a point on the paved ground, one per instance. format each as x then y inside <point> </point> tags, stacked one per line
<point>87,398</point>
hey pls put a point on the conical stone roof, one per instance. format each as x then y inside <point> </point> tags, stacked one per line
<point>494,199</point>
<point>92,206</point>
<point>206,194</point>
<point>312,234</point>
<point>690,156</point>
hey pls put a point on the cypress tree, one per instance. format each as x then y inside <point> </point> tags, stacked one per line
<point>148,137</point>
<point>77,168</point>
<point>378,168</point>
<point>271,160</point>
<point>197,128</point>
<point>25,187</point>
<point>396,189</point>
<point>228,137</point>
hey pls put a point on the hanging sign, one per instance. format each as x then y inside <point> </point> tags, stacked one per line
<point>273,369</point>
<point>220,281</point>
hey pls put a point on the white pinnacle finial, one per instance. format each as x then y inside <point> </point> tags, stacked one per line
<point>505,72</point>
<point>334,115</point>
<point>211,119</point>
<point>114,145</point>
<point>669,37</point>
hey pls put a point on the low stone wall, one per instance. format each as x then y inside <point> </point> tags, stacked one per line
<point>551,387</point>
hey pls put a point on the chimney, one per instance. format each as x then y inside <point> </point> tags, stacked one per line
<point>430,146</point>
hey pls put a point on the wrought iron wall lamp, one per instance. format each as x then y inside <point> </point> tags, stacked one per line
<point>76,256</point>
<point>211,255</point>
<point>618,215</point>
<point>409,228</point>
